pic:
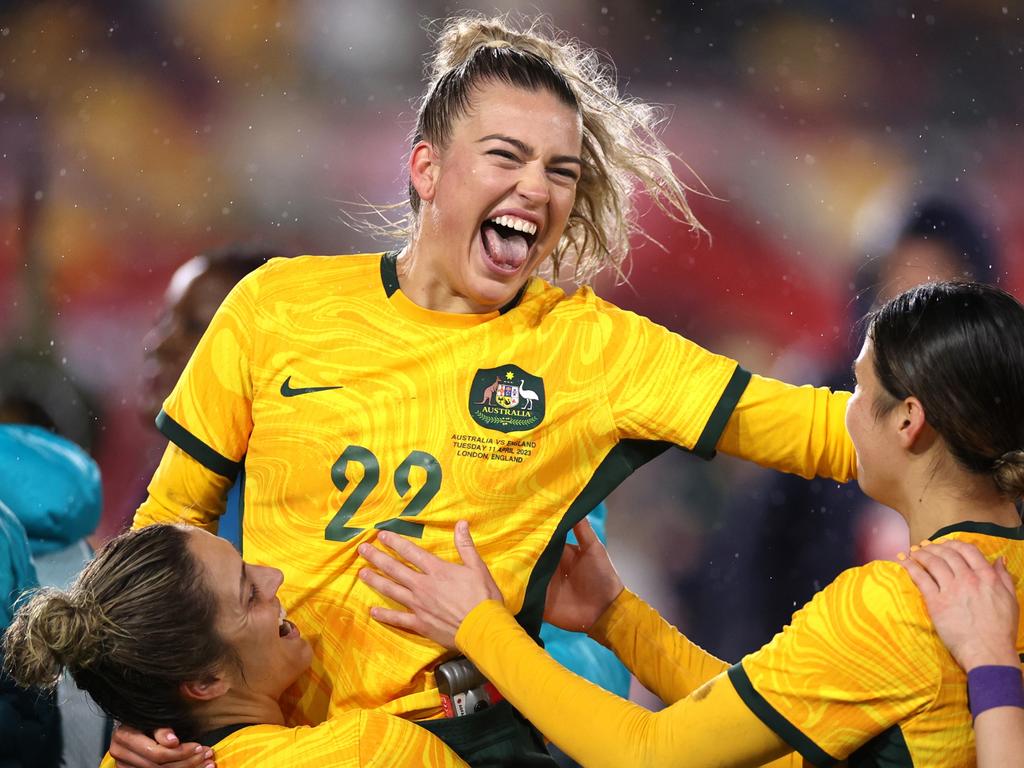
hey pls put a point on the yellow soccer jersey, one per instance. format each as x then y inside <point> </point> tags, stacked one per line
<point>349,408</point>
<point>357,738</point>
<point>861,675</point>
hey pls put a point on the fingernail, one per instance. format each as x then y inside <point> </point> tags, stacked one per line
<point>925,543</point>
<point>198,749</point>
<point>914,548</point>
<point>362,548</point>
<point>901,556</point>
<point>209,754</point>
<point>362,573</point>
<point>373,612</point>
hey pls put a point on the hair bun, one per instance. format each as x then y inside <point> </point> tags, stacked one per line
<point>1008,472</point>
<point>53,631</point>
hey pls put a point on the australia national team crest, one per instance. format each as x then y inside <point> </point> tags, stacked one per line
<point>507,399</point>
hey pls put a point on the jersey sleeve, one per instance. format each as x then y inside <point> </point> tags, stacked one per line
<point>858,659</point>
<point>663,659</point>
<point>208,414</point>
<point>597,728</point>
<point>794,429</point>
<point>661,386</point>
<point>183,491</point>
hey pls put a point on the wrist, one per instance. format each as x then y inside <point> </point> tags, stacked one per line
<point>986,657</point>
<point>992,686</point>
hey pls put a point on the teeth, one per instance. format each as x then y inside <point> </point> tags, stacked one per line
<point>514,222</point>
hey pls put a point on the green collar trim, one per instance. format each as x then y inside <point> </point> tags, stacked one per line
<point>389,279</point>
<point>988,529</point>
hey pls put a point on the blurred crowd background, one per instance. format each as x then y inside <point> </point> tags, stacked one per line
<point>135,135</point>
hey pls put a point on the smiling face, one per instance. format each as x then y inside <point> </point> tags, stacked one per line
<point>269,648</point>
<point>496,200</point>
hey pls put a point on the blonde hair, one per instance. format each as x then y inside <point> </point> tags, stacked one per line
<point>622,152</point>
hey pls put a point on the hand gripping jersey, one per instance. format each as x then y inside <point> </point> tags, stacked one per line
<point>350,409</point>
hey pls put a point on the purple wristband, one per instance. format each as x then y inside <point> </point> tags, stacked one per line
<point>994,686</point>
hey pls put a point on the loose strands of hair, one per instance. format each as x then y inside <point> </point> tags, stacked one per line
<point>959,348</point>
<point>622,151</point>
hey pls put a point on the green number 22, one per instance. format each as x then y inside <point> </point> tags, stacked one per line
<point>338,529</point>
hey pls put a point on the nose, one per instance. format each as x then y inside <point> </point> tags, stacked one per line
<point>271,578</point>
<point>533,183</point>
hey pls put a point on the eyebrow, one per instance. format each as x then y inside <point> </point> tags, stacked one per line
<point>526,149</point>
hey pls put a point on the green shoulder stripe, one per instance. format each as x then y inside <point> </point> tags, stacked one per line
<point>705,445</point>
<point>621,461</point>
<point>196,448</point>
<point>768,715</point>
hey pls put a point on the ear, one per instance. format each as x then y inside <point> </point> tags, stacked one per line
<point>204,690</point>
<point>910,422</point>
<point>423,168</point>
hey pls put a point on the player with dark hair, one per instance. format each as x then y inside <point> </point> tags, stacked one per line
<point>860,674</point>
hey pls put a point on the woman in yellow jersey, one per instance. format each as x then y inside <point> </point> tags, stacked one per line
<point>402,391</point>
<point>168,626</point>
<point>859,674</point>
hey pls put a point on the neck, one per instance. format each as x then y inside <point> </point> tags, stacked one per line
<point>959,496</point>
<point>236,707</point>
<point>420,276</point>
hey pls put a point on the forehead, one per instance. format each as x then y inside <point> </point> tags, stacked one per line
<point>542,117</point>
<point>220,561</point>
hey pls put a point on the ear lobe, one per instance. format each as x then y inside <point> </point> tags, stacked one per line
<point>423,170</point>
<point>911,422</point>
<point>204,690</point>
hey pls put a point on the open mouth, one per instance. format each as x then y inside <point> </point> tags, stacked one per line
<point>507,241</point>
<point>284,627</point>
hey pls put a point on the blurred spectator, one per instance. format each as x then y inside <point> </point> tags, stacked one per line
<point>195,292</point>
<point>51,488</point>
<point>30,724</point>
<point>788,537</point>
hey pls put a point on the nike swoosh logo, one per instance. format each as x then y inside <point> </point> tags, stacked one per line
<point>289,391</point>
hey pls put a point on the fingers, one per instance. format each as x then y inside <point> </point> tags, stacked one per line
<point>970,554</point>
<point>467,550</point>
<point>937,564</point>
<point>386,564</point>
<point>189,755</point>
<point>1004,576</point>
<point>585,534</point>
<point>409,551</point>
<point>921,577</point>
<point>400,619</point>
<point>386,587</point>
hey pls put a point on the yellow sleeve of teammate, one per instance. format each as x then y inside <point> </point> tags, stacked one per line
<point>710,728</point>
<point>795,429</point>
<point>183,491</point>
<point>663,659</point>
